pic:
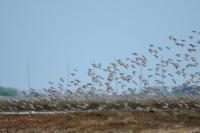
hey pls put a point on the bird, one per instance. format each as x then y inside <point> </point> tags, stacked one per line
<point>156,56</point>
<point>174,81</point>
<point>168,48</point>
<point>135,54</point>
<point>72,74</point>
<point>76,70</point>
<point>191,37</point>
<point>149,76</point>
<point>178,55</point>
<point>191,50</point>
<point>132,90</point>
<point>170,37</point>
<point>151,45</point>
<point>160,48</point>
<point>192,45</point>
<point>50,82</point>
<point>61,79</point>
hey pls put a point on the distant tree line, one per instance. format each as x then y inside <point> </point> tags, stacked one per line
<point>8,91</point>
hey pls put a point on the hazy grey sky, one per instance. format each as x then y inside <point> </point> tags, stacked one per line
<point>48,33</point>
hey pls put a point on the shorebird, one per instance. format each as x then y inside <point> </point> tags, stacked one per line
<point>50,83</point>
<point>76,70</point>
<point>135,54</point>
<point>180,44</point>
<point>151,45</point>
<point>193,46</point>
<point>168,48</point>
<point>190,50</point>
<point>72,74</point>
<point>61,79</point>
<point>191,37</point>
<point>174,81</point>
<point>178,55</point>
<point>160,48</point>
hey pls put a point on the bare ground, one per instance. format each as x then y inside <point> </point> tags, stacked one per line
<point>159,121</point>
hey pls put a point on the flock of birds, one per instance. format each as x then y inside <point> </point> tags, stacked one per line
<point>136,75</point>
<point>128,74</point>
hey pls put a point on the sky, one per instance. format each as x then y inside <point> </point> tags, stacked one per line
<point>51,35</point>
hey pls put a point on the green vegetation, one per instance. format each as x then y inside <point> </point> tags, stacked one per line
<point>8,91</point>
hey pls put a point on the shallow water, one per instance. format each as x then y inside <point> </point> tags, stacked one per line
<point>34,112</point>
